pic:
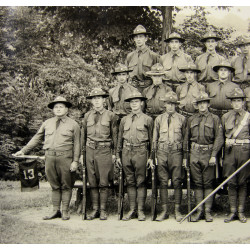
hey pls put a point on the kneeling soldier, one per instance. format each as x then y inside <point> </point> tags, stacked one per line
<point>204,131</point>
<point>236,125</point>
<point>98,140</point>
<point>168,137</point>
<point>133,146</point>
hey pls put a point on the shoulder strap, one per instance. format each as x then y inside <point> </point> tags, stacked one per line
<point>242,124</point>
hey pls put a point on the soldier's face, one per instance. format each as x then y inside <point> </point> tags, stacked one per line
<point>157,80</point>
<point>170,107</point>
<point>203,106</point>
<point>223,73</point>
<point>174,45</point>
<point>140,40</point>
<point>211,44</point>
<point>122,77</point>
<point>237,104</point>
<point>136,104</point>
<point>98,102</point>
<point>190,76</point>
<point>245,49</point>
<point>60,109</point>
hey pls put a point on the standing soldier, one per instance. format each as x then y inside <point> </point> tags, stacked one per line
<point>206,61</point>
<point>236,125</point>
<point>120,91</point>
<point>242,63</point>
<point>174,60</point>
<point>189,91</point>
<point>168,137</point>
<point>133,147</point>
<point>98,140</point>
<point>61,137</point>
<point>141,60</point>
<point>205,135</point>
<point>155,92</point>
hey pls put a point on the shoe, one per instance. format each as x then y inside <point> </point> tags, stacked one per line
<point>197,217</point>
<point>93,215</point>
<point>130,215</point>
<point>65,215</point>
<point>208,216</point>
<point>54,215</point>
<point>231,217</point>
<point>242,218</point>
<point>162,216</point>
<point>103,215</point>
<point>141,215</point>
<point>178,216</point>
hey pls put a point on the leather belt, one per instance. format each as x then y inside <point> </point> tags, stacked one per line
<point>218,111</point>
<point>237,142</point>
<point>201,147</point>
<point>97,144</point>
<point>131,146</point>
<point>56,153</point>
<point>185,113</point>
<point>169,147</point>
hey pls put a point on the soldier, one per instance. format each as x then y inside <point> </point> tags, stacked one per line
<point>155,92</point>
<point>62,151</point>
<point>247,93</point>
<point>206,61</point>
<point>189,91</point>
<point>204,133</point>
<point>141,60</point>
<point>236,125</point>
<point>169,129</point>
<point>218,90</point>
<point>242,63</point>
<point>174,60</point>
<point>133,147</point>
<point>98,140</point>
<point>120,91</point>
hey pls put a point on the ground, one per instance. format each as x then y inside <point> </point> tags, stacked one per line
<point>22,212</point>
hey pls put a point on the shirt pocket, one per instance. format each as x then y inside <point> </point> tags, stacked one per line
<point>67,133</point>
<point>213,92</point>
<point>209,130</point>
<point>147,64</point>
<point>90,126</point>
<point>141,133</point>
<point>133,63</point>
<point>194,128</point>
<point>105,127</point>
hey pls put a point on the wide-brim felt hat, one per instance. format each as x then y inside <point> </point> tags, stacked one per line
<point>236,94</point>
<point>135,95</point>
<point>242,40</point>
<point>203,97</point>
<point>224,64</point>
<point>121,68</point>
<point>210,35</point>
<point>139,30</point>
<point>156,70</point>
<point>59,99</point>
<point>174,36</point>
<point>170,97</point>
<point>190,67</point>
<point>97,92</point>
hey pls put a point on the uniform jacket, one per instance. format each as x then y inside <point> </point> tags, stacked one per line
<point>240,75</point>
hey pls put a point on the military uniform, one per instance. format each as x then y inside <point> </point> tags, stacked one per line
<point>188,92</point>
<point>62,146</point>
<point>98,140</point>
<point>141,61</point>
<point>133,147</point>
<point>237,152</point>
<point>206,61</point>
<point>204,136</point>
<point>247,93</point>
<point>154,93</point>
<point>168,137</point>
<point>172,62</point>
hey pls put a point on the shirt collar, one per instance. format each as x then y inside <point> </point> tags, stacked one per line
<point>177,53</point>
<point>242,113</point>
<point>138,114</point>
<point>142,50</point>
<point>63,119</point>
<point>213,53</point>
<point>205,114</point>
<point>101,111</point>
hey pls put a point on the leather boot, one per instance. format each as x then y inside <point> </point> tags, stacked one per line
<point>132,204</point>
<point>94,195</point>
<point>178,196</point>
<point>164,200</point>
<point>242,200</point>
<point>198,198</point>
<point>103,201</point>
<point>208,205</point>
<point>232,196</point>
<point>56,202</point>
<point>66,197</point>
<point>141,196</point>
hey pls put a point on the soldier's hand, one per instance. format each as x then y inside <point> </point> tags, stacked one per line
<point>113,159</point>
<point>81,159</point>
<point>73,166</point>
<point>18,153</point>
<point>184,164</point>
<point>150,164</point>
<point>212,161</point>
<point>119,162</point>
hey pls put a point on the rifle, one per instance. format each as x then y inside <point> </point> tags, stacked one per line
<point>121,194</point>
<point>84,192</point>
<point>188,184</point>
<point>36,157</point>
<point>154,191</point>
<point>216,190</point>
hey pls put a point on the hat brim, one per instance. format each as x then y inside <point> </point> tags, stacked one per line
<point>141,33</point>
<point>132,98</point>
<point>174,102</point>
<point>212,37</point>
<point>117,72</point>
<point>194,70</point>
<point>182,40</point>
<point>240,44</point>
<point>216,68</point>
<point>91,96</point>
<point>203,100</point>
<point>52,104</point>
<point>236,97</point>
<point>151,73</point>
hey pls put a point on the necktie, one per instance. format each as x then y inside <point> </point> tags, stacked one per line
<point>173,58</point>
<point>208,57</point>
<point>140,70</point>
<point>58,123</point>
<point>202,130</point>
<point>120,93</point>
<point>155,91</point>
<point>97,116</point>
<point>170,130</point>
<point>133,117</point>
<point>244,62</point>
<point>237,116</point>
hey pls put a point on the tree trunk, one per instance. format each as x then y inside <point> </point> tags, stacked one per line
<point>167,25</point>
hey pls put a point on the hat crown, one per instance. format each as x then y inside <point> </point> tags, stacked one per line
<point>60,99</point>
<point>139,29</point>
<point>203,96</point>
<point>237,92</point>
<point>121,68</point>
<point>97,91</point>
<point>191,66</point>
<point>244,39</point>
<point>210,34</point>
<point>174,35</point>
<point>171,97</point>
<point>224,63</point>
<point>157,67</point>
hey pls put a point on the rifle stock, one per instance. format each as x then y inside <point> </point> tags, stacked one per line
<point>188,183</point>
<point>36,157</point>
<point>154,192</point>
<point>121,194</point>
<point>84,192</point>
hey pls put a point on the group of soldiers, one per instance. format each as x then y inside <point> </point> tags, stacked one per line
<point>166,113</point>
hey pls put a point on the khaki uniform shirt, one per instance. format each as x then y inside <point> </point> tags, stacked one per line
<point>65,137</point>
<point>205,62</point>
<point>172,64</point>
<point>187,94</point>
<point>242,67</point>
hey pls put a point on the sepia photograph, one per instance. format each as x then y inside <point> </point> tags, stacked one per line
<point>124,124</point>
